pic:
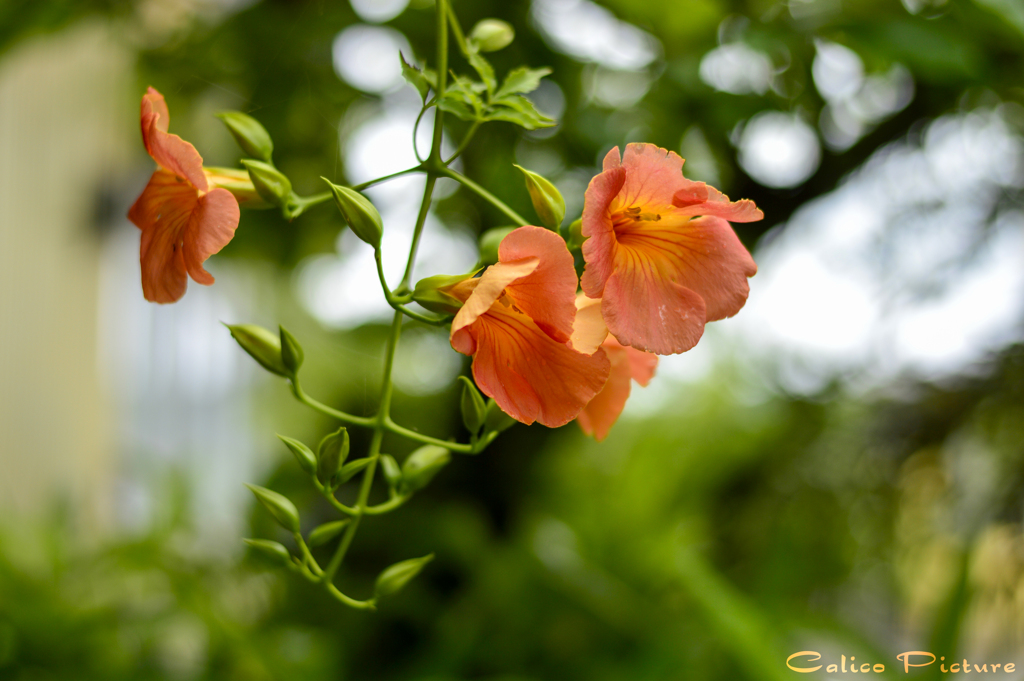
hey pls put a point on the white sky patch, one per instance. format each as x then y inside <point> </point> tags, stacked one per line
<point>779,150</point>
<point>378,11</point>
<point>366,57</point>
<point>736,68</point>
<point>589,32</point>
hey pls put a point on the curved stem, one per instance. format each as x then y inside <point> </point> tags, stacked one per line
<point>301,396</point>
<point>484,194</point>
<point>307,556</point>
<point>393,427</point>
<point>369,183</point>
<point>464,143</point>
<point>387,506</point>
<point>398,302</point>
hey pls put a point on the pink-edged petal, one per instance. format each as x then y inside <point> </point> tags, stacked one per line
<point>653,177</point>
<point>599,247</point>
<point>169,151</point>
<point>588,329</point>
<point>710,259</point>
<point>531,376</point>
<point>650,312</point>
<point>153,103</point>
<point>488,288</point>
<point>613,159</point>
<point>548,294</point>
<point>210,228</point>
<point>601,413</point>
<point>717,204</point>
<point>163,212</point>
<point>642,365</point>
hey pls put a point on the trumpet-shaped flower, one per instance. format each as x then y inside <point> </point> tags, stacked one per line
<point>626,365</point>
<point>183,216</point>
<point>516,322</point>
<point>660,253</point>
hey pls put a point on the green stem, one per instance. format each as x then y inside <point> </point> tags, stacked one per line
<point>465,142</point>
<point>306,555</point>
<point>457,30</point>
<point>484,194</point>
<point>387,506</point>
<point>385,178</point>
<point>393,427</point>
<point>301,396</point>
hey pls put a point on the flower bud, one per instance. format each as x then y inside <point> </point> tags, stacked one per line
<point>575,235</point>
<point>422,465</point>
<point>400,574</point>
<point>432,294</point>
<point>303,454</point>
<point>547,200</point>
<point>280,507</point>
<point>262,345</point>
<point>271,550</point>
<point>491,35</point>
<point>489,242</point>
<point>496,419</point>
<point>351,468</point>
<point>332,454</point>
<point>326,532</point>
<point>291,352</point>
<point>252,137</point>
<point>238,183</point>
<point>270,183</point>
<point>474,411</point>
<point>392,473</point>
<point>361,215</point>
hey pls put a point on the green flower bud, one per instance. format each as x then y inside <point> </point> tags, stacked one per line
<point>272,185</point>
<point>279,505</point>
<point>400,574</point>
<point>351,468</point>
<point>491,35</point>
<point>238,183</point>
<point>432,294</point>
<point>474,411</point>
<point>575,235</point>
<point>361,215</point>
<point>326,532</point>
<point>422,465</point>
<point>262,345</point>
<point>291,352</point>
<point>392,473</point>
<point>332,454</point>
<point>489,242</point>
<point>303,454</point>
<point>252,137</point>
<point>496,419</point>
<point>547,200</point>
<point>270,550</point>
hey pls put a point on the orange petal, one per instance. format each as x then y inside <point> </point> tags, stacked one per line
<point>531,376</point>
<point>548,294</point>
<point>488,288</point>
<point>210,228</point>
<point>653,176</point>
<point>648,311</point>
<point>163,212</point>
<point>601,413</point>
<point>599,247</point>
<point>716,203</point>
<point>588,329</point>
<point>169,151</point>
<point>641,365</point>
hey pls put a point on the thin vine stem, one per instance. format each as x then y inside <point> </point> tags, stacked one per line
<point>484,194</point>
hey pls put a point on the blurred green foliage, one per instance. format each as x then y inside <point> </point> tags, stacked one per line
<point>706,541</point>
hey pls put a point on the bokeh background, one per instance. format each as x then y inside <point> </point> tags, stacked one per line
<point>840,468</point>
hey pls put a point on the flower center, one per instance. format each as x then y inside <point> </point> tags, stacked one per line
<point>631,217</point>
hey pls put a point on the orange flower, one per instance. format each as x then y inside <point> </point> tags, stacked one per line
<point>183,220</point>
<point>516,322</point>
<point>660,271</point>
<point>626,364</point>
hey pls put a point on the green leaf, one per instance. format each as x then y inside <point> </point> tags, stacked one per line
<point>400,574</point>
<point>271,550</point>
<point>457,108</point>
<point>472,405</point>
<point>484,69</point>
<point>521,80</point>
<point>415,77</point>
<point>519,110</point>
<point>351,468</point>
<point>326,532</point>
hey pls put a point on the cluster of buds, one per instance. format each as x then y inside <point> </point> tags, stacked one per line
<point>659,257</point>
